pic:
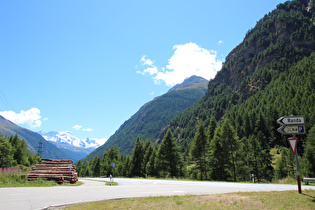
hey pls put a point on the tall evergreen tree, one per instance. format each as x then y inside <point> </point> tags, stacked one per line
<point>309,154</point>
<point>218,157</point>
<point>6,156</point>
<point>152,164</point>
<point>96,167</point>
<point>127,167</point>
<point>198,151</point>
<point>211,129</point>
<point>230,140</point>
<point>282,169</point>
<point>137,159</point>
<point>169,162</point>
<point>147,151</point>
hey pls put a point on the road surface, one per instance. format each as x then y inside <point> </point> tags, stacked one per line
<point>95,190</point>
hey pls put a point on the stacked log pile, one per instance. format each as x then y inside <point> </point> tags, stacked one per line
<point>58,170</point>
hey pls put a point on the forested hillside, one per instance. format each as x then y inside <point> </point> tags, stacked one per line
<point>231,133</point>
<point>278,41</point>
<point>152,117</point>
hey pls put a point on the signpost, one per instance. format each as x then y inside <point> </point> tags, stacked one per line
<point>113,165</point>
<point>291,120</point>
<point>291,129</point>
<point>112,177</point>
<point>293,125</point>
<point>293,143</point>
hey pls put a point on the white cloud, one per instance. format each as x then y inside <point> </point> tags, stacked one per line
<point>220,42</point>
<point>146,61</point>
<point>188,59</point>
<point>30,117</point>
<point>77,127</point>
<point>101,141</point>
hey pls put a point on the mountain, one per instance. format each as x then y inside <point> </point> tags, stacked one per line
<point>68,138</point>
<point>7,128</point>
<point>153,116</point>
<point>69,144</point>
<point>193,82</point>
<point>268,75</point>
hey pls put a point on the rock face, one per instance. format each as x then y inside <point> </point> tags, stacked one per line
<point>266,44</point>
<point>277,43</point>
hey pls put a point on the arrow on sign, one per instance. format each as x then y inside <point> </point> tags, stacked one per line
<point>291,120</point>
<point>293,143</point>
<point>292,129</point>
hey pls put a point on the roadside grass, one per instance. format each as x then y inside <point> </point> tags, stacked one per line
<point>242,200</point>
<point>113,183</point>
<point>22,182</point>
<point>15,177</point>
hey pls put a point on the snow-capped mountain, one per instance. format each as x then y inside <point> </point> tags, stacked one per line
<point>66,137</point>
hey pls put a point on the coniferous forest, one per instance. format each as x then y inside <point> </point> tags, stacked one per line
<point>13,152</point>
<point>231,133</point>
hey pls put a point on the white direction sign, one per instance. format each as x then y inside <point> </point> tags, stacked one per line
<point>293,143</point>
<point>292,129</point>
<point>291,120</point>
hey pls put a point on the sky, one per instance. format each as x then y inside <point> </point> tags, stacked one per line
<point>88,66</point>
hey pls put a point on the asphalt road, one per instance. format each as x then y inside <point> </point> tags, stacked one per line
<point>94,190</point>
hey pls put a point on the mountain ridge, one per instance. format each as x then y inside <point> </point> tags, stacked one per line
<point>66,137</point>
<point>32,139</point>
<point>148,121</point>
<point>68,143</point>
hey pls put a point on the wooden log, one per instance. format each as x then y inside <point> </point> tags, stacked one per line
<point>57,170</point>
<point>53,165</point>
<point>51,172</point>
<point>54,168</point>
<point>57,161</point>
<point>50,176</point>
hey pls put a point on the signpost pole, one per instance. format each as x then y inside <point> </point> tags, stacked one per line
<point>297,170</point>
<point>293,125</point>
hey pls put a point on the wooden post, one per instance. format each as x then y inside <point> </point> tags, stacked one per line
<point>297,169</point>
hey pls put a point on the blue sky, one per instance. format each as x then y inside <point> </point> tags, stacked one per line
<point>88,66</point>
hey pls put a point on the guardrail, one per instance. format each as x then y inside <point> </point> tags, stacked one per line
<point>307,180</point>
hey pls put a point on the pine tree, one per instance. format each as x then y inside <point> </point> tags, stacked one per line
<point>211,129</point>
<point>281,169</point>
<point>137,159</point>
<point>169,162</point>
<point>6,156</point>
<point>230,140</point>
<point>218,157</point>
<point>152,164</point>
<point>78,167</point>
<point>96,167</point>
<point>85,168</point>
<point>309,154</point>
<point>147,149</point>
<point>127,167</point>
<point>198,151</point>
